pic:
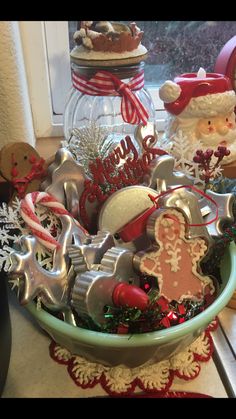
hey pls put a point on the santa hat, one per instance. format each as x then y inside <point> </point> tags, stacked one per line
<point>199,95</point>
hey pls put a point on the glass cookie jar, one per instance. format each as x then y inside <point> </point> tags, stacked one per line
<point>91,102</point>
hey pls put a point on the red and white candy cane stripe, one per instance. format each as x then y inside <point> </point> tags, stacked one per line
<point>27,210</point>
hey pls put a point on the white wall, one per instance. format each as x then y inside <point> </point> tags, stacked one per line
<point>15,112</point>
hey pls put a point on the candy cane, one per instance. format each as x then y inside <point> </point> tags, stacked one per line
<point>27,210</point>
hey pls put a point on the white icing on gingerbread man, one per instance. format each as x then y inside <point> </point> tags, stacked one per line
<point>175,260</point>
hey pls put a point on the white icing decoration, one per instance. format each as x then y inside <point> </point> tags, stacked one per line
<point>172,250</point>
<point>196,248</point>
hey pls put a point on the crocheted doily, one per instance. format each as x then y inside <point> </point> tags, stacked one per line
<point>149,377</point>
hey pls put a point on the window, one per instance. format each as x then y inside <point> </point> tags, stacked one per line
<point>174,47</point>
<point>177,47</point>
<point>47,61</point>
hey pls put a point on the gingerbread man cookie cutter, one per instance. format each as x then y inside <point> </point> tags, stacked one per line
<point>174,258</point>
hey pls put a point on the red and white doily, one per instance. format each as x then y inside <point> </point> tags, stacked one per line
<point>150,377</point>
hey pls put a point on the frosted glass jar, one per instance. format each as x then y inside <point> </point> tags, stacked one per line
<point>105,111</point>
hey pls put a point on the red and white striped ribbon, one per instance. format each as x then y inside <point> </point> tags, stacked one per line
<point>27,210</point>
<point>105,83</point>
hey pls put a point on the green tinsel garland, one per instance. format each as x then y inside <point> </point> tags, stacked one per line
<point>212,265</point>
<point>157,316</point>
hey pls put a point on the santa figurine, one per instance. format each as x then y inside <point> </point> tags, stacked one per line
<point>201,107</point>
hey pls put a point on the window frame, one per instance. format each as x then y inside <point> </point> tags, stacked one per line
<point>46,47</point>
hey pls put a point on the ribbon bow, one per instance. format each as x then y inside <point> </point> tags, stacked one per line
<point>37,172</point>
<point>105,83</point>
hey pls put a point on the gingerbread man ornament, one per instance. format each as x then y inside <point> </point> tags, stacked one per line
<point>174,258</point>
<point>22,167</point>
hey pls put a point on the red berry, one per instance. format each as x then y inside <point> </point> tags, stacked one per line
<point>199,152</point>
<point>222,149</point>
<point>209,152</point>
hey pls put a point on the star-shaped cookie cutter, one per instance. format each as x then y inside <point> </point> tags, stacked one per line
<point>52,286</point>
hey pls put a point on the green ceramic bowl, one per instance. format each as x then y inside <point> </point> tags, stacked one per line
<point>135,350</point>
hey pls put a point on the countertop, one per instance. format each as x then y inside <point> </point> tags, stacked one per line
<point>33,374</point>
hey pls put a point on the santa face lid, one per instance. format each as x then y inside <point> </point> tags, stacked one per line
<point>198,94</point>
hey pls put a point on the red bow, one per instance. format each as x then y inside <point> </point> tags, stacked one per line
<point>105,83</point>
<point>37,172</point>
